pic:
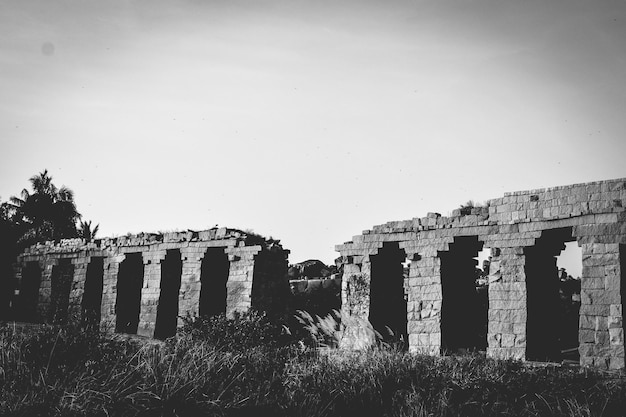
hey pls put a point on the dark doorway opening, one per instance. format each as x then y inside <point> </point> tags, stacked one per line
<point>128,300</point>
<point>622,286</point>
<point>167,310</point>
<point>29,292</point>
<point>465,303</point>
<point>213,278</point>
<point>61,285</point>
<point>388,314</point>
<point>92,294</point>
<point>9,306</point>
<point>553,300</point>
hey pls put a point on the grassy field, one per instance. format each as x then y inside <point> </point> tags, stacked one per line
<point>248,366</point>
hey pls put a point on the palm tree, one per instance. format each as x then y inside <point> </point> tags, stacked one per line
<point>48,213</point>
<point>85,231</point>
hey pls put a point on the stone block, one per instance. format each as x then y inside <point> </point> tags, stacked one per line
<point>586,336</point>
<point>616,336</point>
<point>587,322</point>
<point>586,361</point>
<point>508,340</point>
<point>501,327</point>
<point>601,363</point>
<point>599,297</point>
<point>612,283</point>
<point>615,310</point>
<point>594,309</point>
<point>601,337</point>
<point>616,363</point>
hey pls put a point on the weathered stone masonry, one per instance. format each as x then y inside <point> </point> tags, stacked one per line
<point>143,283</point>
<point>525,231</point>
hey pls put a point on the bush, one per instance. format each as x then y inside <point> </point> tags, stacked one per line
<point>38,363</point>
<point>241,332</point>
<point>228,370</point>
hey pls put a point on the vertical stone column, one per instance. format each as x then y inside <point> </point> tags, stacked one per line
<point>355,306</point>
<point>424,305</point>
<point>45,288</point>
<point>78,286</point>
<point>190,285</point>
<point>240,278</point>
<point>109,291</point>
<point>355,288</point>
<point>601,332</point>
<point>150,291</point>
<point>506,334</point>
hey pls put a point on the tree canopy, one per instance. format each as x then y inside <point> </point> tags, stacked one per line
<point>44,213</point>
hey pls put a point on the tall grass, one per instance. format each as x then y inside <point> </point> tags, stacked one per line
<point>66,371</point>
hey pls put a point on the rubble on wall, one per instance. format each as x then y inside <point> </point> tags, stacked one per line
<point>591,214</point>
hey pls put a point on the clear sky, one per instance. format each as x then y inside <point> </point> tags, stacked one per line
<point>309,121</point>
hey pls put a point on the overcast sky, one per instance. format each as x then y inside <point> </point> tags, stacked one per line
<point>306,120</point>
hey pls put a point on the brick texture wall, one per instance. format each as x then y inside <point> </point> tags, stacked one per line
<point>241,249</point>
<point>590,214</point>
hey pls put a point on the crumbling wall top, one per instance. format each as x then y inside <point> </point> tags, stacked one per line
<point>235,237</point>
<point>600,198</point>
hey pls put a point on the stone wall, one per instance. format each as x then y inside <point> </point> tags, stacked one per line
<point>525,231</point>
<point>162,279</point>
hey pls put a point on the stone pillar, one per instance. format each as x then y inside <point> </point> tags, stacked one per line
<point>601,332</point>
<point>150,291</point>
<point>355,289</point>
<point>190,285</point>
<point>240,278</point>
<point>45,288</point>
<point>424,305</point>
<point>78,286</point>
<point>355,304</point>
<point>109,291</point>
<point>506,334</point>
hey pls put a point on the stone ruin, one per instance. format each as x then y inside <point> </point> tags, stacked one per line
<point>417,277</point>
<point>143,284</point>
